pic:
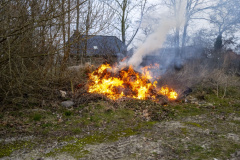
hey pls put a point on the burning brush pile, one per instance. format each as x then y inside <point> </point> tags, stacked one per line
<point>117,83</point>
<point>125,82</point>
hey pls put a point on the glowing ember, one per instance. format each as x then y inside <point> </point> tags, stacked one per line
<point>126,83</point>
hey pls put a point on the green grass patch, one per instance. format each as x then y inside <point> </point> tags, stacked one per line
<point>98,116</point>
<point>37,117</point>
<point>184,110</point>
<point>76,145</point>
<point>193,124</point>
<point>195,149</point>
<point>223,149</point>
<point>68,113</point>
<point>46,125</point>
<point>76,130</point>
<point>7,149</point>
<point>184,131</point>
<point>76,148</point>
<point>217,100</point>
<point>81,106</point>
<point>233,92</point>
<point>235,122</point>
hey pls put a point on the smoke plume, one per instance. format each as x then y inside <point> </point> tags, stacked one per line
<point>155,40</point>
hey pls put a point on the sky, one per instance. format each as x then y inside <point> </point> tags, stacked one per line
<point>152,19</point>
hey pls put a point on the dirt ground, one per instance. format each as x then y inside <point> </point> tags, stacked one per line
<point>194,128</point>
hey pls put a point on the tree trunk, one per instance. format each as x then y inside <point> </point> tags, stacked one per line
<point>77,32</point>
<point>64,37</point>
<point>184,36</point>
<point>123,24</point>
<point>78,12</point>
<point>69,29</point>
<point>218,42</point>
<point>123,28</point>
<point>87,28</point>
<point>177,49</point>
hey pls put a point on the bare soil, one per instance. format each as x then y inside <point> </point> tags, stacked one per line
<point>194,128</point>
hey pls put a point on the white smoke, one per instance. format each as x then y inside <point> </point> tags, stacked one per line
<point>155,40</point>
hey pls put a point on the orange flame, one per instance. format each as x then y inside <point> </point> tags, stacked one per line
<point>170,93</point>
<point>125,83</point>
<point>147,73</point>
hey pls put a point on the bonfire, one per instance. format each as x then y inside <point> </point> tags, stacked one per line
<point>117,83</point>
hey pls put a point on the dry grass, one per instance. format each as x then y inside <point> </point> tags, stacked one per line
<point>208,73</point>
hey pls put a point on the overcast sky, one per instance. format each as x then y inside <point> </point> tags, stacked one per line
<point>160,11</point>
<point>153,17</point>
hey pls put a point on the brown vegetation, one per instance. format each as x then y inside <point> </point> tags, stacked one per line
<point>33,47</point>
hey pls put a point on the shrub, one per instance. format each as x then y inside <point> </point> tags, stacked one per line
<point>37,117</point>
<point>67,113</point>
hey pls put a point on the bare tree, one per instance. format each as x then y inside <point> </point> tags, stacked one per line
<point>95,16</point>
<point>33,41</point>
<point>194,11</point>
<point>69,26</point>
<point>226,17</point>
<point>64,35</point>
<point>67,19</point>
<point>77,25</point>
<point>30,36</point>
<point>123,9</point>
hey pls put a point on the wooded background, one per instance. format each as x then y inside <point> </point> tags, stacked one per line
<point>34,35</point>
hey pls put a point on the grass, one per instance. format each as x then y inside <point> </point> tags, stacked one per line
<point>37,117</point>
<point>77,150</point>
<point>220,150</point>
<point>118,120</point>
<point>7,149</point>
<point>184,110</point>
<point>67,113</point>
<point>76,130</point>
<point>184,131</point>
<point>46,125</point>
<point>195,149</point>
<point>193,124</point>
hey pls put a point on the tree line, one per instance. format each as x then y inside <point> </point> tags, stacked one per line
<point>35,34</point>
